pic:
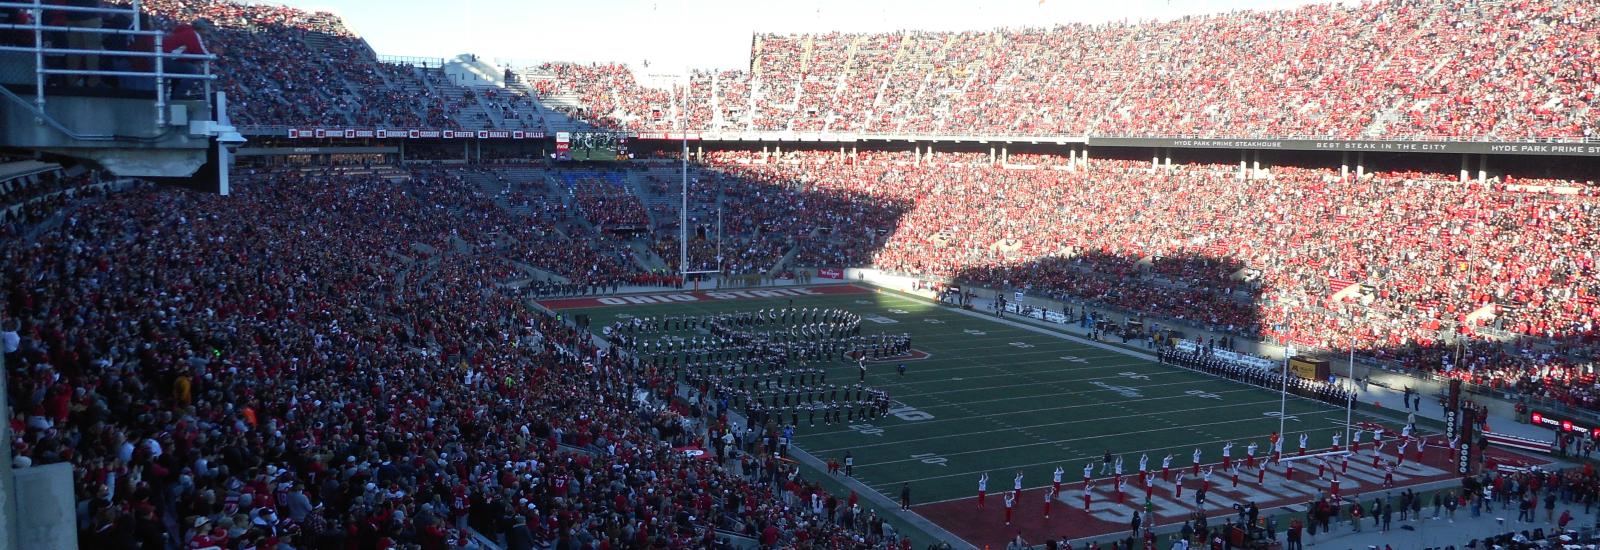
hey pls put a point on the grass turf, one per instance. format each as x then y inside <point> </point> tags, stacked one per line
<point>995,398</point>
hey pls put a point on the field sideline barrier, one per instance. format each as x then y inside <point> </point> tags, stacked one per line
<point>1514,442</point>
<point>1311,455</point>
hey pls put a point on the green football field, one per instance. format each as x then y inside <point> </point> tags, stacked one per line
<point>996,398</point>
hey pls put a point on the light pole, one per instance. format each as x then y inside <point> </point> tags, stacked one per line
<point>1283,391</point>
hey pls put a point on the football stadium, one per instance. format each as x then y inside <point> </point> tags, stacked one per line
<point>1255,274</point>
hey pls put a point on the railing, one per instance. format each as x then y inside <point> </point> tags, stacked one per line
<point>844,137</point>
<point>424,62</point>
<point>160,57</point>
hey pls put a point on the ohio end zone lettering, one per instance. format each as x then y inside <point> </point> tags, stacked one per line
<point>697,296</point>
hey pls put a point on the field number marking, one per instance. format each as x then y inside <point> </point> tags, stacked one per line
<point>1074,359</point>
<point>1286,417</point>
<point>1134,375</point>
<point>897,311</point>
<point>907,413</point>
<point>1022,345</point>
<point>867,429</point>
<point>930,458</point>
<point>1202,394</point>
<point>932,321</point>
<point>975,332</point>
<point>1130,393</point>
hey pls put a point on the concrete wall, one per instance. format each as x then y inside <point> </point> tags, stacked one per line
<point>466,70</point>
<point>46,509</point>
<point>8,502</point>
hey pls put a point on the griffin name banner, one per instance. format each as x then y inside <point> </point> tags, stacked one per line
<point>386,133</point>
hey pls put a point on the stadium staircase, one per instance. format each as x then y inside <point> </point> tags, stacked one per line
<point>646,258</point>
<point>869,117</point>
<point>345,97</point>
<point>924,65</point>
<point>528,119</point>
<point>1392,113</point>
<point>492,186</point>
<point>778,266</point>
<point>566,194</point>
<point>651,201</point>
<point>949,101</point>
<point>493,116</point>
<point>469,114</point>
<point>1114,106</point>
<point>842,84</point>
<point>556,106</point>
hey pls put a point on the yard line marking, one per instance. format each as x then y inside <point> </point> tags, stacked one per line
<point>811,435</point>
<point>1097,404</point>
<point>1094,457</point>
<point>1085,438</point>
<point>1081,341</point>
<point>1009,427</point>
<point>1067,370</point>
<point>1036,383</point>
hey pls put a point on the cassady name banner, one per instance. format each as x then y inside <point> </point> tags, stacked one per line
<point>363,133</point>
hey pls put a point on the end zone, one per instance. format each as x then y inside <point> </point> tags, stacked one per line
<point>1105,512</point>
<point>699,296</point>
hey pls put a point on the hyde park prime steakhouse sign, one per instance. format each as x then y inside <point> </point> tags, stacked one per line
<point>1472,148</point>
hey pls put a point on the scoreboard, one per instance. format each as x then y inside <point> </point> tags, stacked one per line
<point>591,146</point>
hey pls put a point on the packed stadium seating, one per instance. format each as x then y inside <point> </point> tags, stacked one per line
<point>284,66</point>
<point>339,373</point>
<point>342,356</point>
<point>1277,258</point>
<point>207,390</point>
<point>1406,69</point>
<point>1401,69</point>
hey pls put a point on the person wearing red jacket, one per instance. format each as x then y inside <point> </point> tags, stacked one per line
<point>185,39</point>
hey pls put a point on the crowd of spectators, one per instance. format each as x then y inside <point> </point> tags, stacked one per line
<point>1399,69</point>
<point>331,361</point>
<point>608,205</point>
<point>285,66</point>
<point>1391,69</point>
<point>1394,264</point>
<point>355,369</point>
<point>1544,502</point>
<point>263,63</point>
<point>26,200</point>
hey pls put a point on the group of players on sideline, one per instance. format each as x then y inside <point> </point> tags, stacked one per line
<point>764,361</point>
<point>1202,359</point>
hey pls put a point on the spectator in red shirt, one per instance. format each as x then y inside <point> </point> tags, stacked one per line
<point>185,39</point>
